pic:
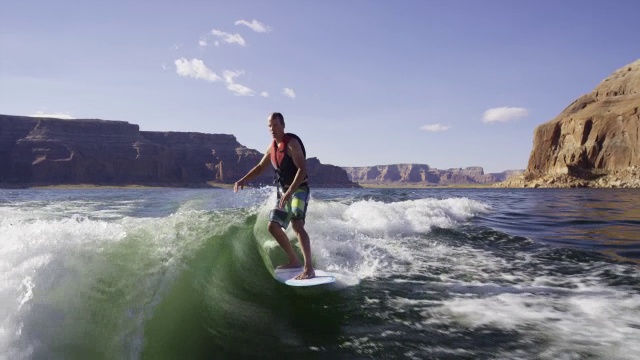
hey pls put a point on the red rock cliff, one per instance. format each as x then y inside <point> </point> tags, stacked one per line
<point>599,131</point>
<point>45,151</point>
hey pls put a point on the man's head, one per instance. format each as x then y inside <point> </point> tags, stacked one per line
<point>276,125</point>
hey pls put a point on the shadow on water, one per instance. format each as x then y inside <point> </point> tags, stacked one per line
<point>225,304</point>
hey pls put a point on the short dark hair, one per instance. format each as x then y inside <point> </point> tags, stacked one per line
<point>277,115</point>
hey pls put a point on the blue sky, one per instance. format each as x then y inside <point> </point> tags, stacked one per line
<point>445,83</point>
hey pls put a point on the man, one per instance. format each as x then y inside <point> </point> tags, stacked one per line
<point>287,156</point>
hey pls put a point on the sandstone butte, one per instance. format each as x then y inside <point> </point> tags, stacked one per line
<point>423,175</point>
<point>47,151</point>
<point>594,142</point>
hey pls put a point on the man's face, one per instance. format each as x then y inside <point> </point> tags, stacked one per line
<point>275,127</point>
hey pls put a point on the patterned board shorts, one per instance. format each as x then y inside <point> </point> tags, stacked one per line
<point>294,209</point>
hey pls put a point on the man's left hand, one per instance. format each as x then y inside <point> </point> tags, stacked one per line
<point>284,198</point>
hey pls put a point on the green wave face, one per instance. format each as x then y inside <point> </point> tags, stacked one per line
<point>225,303</point>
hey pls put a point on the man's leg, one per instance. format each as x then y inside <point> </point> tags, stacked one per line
<point>305,244</point>
<point>276,231</point>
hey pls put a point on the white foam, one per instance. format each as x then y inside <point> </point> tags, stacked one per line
<point>28,244</point>
<point>576,323</point>
<point>370,235</point>
<point>409,217</point>
<point>356,240</point>
<point>56,245</point>
<point>573,314</point>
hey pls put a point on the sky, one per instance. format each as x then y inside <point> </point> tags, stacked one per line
<point>450,84</point>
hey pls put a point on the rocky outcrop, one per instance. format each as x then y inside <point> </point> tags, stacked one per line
<point>421,174</point>
<point>594,142</point>
<point>45,151</point>
<point>627,178</point>
<point>321,175</point>
<point>211,157</point>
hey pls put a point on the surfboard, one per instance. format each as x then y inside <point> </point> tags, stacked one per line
<point>287,277</point>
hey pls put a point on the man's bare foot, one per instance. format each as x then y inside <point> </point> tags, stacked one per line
<point>308,273</point>
<point>290,265</point>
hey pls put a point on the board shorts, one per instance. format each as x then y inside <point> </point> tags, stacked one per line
<point>294,209</point>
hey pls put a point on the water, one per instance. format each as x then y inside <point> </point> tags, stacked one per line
<point>428,273</point>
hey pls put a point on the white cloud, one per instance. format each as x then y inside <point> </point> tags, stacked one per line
<point>504,114</point>
<point>254,25</point>
<point>235,88</point>
<point>434,127</point>
<point>264,94</point>
<point>196,69</point>
<point>202,42</point>
<point>240,90</point>
<point>52,115</point>
<point>228,38</point>
<point>289,92</point>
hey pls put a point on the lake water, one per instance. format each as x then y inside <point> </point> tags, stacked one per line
<point>422,273</point>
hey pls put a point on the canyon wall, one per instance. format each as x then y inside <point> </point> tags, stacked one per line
<point>422,174</point>
<point>594,142</point>
<point>46,151</point>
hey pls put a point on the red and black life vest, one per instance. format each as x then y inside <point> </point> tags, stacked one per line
<point>283,163</point>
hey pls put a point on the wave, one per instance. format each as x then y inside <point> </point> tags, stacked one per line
<point>242,311</point>
<point>187,275</point>
<point>81,278</point>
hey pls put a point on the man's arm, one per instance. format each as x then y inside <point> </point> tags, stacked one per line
<point>257,170</point>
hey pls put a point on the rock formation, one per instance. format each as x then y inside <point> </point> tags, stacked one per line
<point>45,151</point>
<point>594,142</point>
<point>321,175</point>
<point>421,175</point>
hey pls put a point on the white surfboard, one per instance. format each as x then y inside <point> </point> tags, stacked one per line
<point>287,276</point>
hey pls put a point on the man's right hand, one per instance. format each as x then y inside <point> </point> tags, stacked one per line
<point>238,184</point>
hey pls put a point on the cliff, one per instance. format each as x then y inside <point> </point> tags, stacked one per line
<point>45,151</point>
<point>594,142</point>
<point>327,175</point>
<point>422,174</point>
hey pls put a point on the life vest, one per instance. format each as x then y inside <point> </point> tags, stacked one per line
<point>283,163</point>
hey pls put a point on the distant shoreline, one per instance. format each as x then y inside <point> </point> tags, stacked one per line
<point>228,186</point>
<point>424,186</point>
